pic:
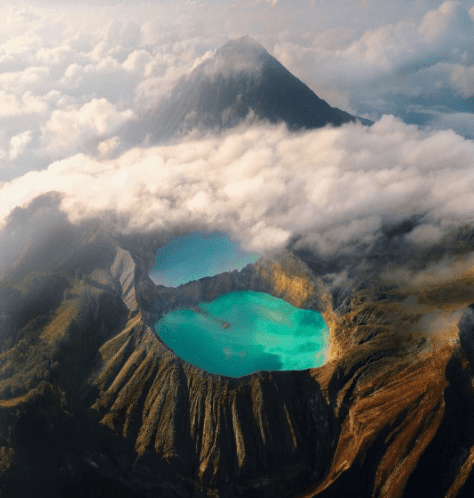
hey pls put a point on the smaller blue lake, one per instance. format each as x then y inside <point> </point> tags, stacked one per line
<point>244,332</point>
<point>197,255</point>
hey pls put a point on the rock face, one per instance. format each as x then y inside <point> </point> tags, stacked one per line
<point>93,404</point>
<point>241,81</point>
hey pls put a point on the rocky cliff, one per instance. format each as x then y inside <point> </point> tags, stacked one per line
<point>93,404</point>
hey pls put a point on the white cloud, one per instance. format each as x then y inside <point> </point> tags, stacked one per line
<point>366,70</point>
<point>263,185</point>
<point>23,46</point>
<point>11,105</point>
<point>66,130</point>
<point>137,61</point>
<point>107,147</point>
<point>24,80</point>
<point>18,144</point>
<point>238,62</point>
<point>435,22</point>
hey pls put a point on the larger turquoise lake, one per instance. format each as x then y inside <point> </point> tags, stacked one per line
<point>244,332</point>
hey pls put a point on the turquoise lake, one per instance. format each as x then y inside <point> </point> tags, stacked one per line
<point>197,255</point>
<point>244,332</point>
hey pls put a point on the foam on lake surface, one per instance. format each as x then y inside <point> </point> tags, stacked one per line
<point>244,332</point>
<point>197,255</point>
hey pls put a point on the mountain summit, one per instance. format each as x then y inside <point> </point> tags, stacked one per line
<point>240,80</point>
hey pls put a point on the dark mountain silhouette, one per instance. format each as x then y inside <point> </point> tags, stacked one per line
<point>242,80</point>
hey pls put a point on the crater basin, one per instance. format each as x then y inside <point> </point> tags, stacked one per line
<point>244,332</point>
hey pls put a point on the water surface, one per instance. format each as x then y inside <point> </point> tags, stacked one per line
<point>244,332</point>
<point>197,255</point>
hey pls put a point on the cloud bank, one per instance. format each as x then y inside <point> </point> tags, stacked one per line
<point>265,186</point>
<point>72,76</point>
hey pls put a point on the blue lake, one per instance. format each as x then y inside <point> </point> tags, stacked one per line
<point>197,255</point>
<point>244,332</point>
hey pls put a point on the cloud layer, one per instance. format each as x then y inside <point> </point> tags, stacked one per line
<point>71,76</point>
<point>375,71</point>
<point>264,185</point>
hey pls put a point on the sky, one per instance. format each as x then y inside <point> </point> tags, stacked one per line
<point>75,75</point>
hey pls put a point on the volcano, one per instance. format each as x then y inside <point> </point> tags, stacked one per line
<point>92,403</point>
<point>240,81</point>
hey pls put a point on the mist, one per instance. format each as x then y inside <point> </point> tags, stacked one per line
<point>264,185</point>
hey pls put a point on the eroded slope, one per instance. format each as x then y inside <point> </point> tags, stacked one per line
<point>92,403</point>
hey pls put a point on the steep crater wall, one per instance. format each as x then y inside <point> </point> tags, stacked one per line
<point>253,433</point>
<point>92,401</point>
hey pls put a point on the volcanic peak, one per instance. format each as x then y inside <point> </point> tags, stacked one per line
<point>240,80</point>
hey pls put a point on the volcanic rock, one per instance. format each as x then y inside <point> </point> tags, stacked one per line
<point>92,403</point>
